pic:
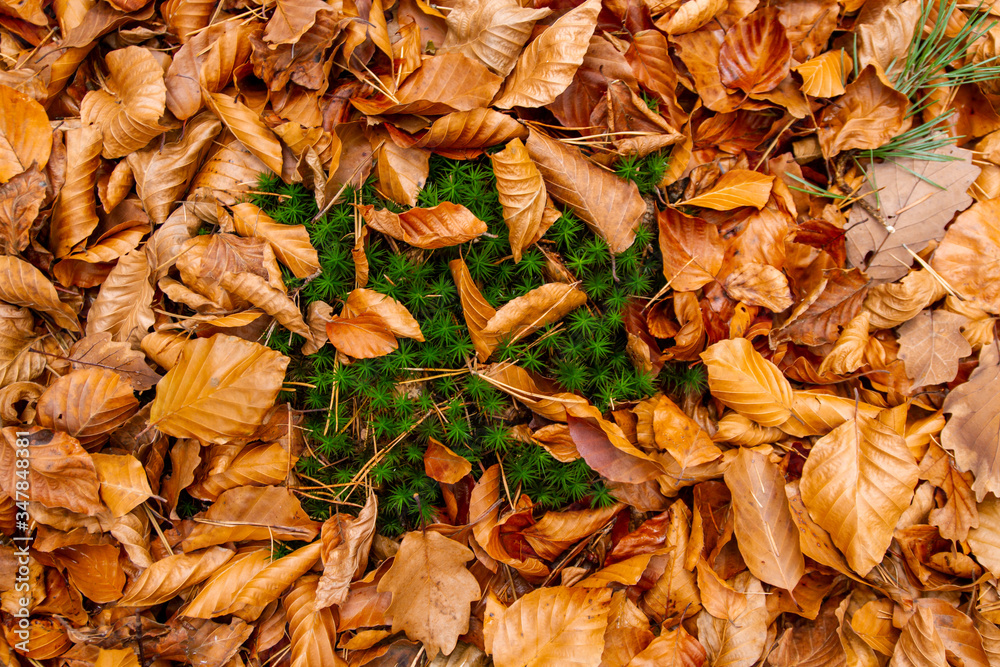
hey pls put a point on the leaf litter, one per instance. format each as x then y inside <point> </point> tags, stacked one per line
<point>544,333</point>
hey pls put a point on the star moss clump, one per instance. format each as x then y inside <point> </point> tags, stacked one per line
<point>377,414</point>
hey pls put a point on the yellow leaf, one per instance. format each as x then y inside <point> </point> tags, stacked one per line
<point>123,482</point>
<point>826,74</point>
<point>737,187</point>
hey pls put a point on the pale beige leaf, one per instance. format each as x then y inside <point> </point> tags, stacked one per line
<point>221,387</point>
<point>931,345</point>
<point>553,626</point>
<point>884,35</point>
<point>766,535</point>
<point>611,207</point>
<point>492,32</point>
<point>737,187</point>
<point>856,483</point>
<point>129,107</point>
<point>123,306</point>
<point>973,429</point>
<point>522,195</point>
<point>431,590</point>
<point>538,308</point>
<point>124,485</point>
<point>21,284</point>
<point>248,128</point>
<point>167,577</point>
<point>475,309</point>
<point>939,187</point>
<point>547,66</point>
<point>741,378</point>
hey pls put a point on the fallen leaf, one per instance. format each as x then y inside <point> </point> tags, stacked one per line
<point>522,195</point>
<point>826,74</point>
<point>605,448</point>
<point>969,255</point>
<point>346,544</point>
<point>215,593</point>
<point>402,172</point>
<point>741,378</point>
<point>738,639</point>
<point>760,285</point>
<point>74,216</point>
<point>21,284</point>
<point>394,315</point>
<point>867,115</point>
<point>611,207</point>
<point>123,482</point>
<point>491,32</point>
<point>916,199</point>
<point>673,648</point>
<point>123,306</point>
<point>538,308</point>
<point>99,350</point>
<point>290,243</point>
<point>692,250</point>
<point>830,304</point>
<point>25,134</point>
<point>547,66</point>
<point>251,513</point>
<point>475,129</point>
<point>756,54</point>
<point>87,404</point>
<point>62,472</point>
<point>443,465</point>
<point>312,632</point>
<point>166,577</point>
<point>362,336</point>
<point>557,625</point>
<point>765,532</point>
<point>476,311</point>
<point>856,484</point>
<point>221,387</point>
<point>931,345</point>
<point>443,225</point>
<point>692,15</point>
<point>737,187</point>
<point>431,590</point>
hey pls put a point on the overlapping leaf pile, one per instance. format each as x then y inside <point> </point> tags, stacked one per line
<point>229,229</point>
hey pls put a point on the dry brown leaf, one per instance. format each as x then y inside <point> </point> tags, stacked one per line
<point>431,590</point>
<point>394,315</point>
<point>741,378</point>
<point>737,187</point>
<point>940,189</point>
<point>884,34</point>
<point>443,465</point>
<point>555,532</point>
<point>849,352</point>
<point>538,308</point>
<point>856,483</point>
<point>402,172</point>
<point>829,305</point>
<point>692,15</point>
<point>362,336</point>
<point>931,345</point>
<point>94,569</point>
<point>446,224</point>
<point>611,207</point>
<point>476,129</point>
<point>605,448</point>
<point>250,600</point>
<point>74,216</point>
<point>672,648</point>
<point>443,84</point>
<point>692,250</point>
<point>123,306</point>
<point>125,657</point>
<point>62,472</point>
<point>25,134</point>
<point>522,195</point>
<point>247,127</point>
<point>21,284</point>
<point>88,404</point>
<point>18,363</point>
<point>891,304</point>
<point>346,544</point>
<point>766,535</point>
<point>549,626</point>
<point>547,66</point>
<point>983,540</point>
<point>491,32</point>
<point>475,309</point>
<point>868,115</point>
<point>101,351</point>
<point>251,513</point>
<point>254,289</point>
<point>129,108</point>
<point>737,640</point>
<point>221,387</point>
<point>664,426</point>
<point>959,514</point>
<point>312,631</point>
<point>166,577</point>
<point>826,74</point>
<point>263,464</point>
<point>936,628</point>
<point>971,432</point>
<point>756,54</point>
<point>969,255</point>
<point>20,200</point>
<point>291,20</point>
<point>215,594</point>
<point>760,285</point>
<point>124,485</point>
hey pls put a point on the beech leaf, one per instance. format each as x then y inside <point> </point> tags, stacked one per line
<point>737,187</point>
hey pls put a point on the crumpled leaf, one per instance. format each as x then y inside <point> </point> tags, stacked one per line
<point>312,630</point>
<point>446,224</point>
<point>476,129</point>
<point>20,200</point>
<point>395,316</point>
<point>692,250</point>
<point>940,187</point>
<point>25,135</point>
<point>74,216</point>
<point>431,590</point>
<point>829,305</point>
<point>538,308</point>
<point>491,32</point>
<point>21,284</point>
<point>221,387</point>
<point>760,285</point>
<point>867,115</point>
<point>522,195</point>
<point>346,544</point>
<point>101,351</point>
<point>128,111</point>
<point>738,639</point>
<point>62,472</point>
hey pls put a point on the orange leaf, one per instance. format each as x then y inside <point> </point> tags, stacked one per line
<point>756,53</point>
<point>362,337</point>
<point>443,465</point>
<point>446,224</point>
<point>737,187</point>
